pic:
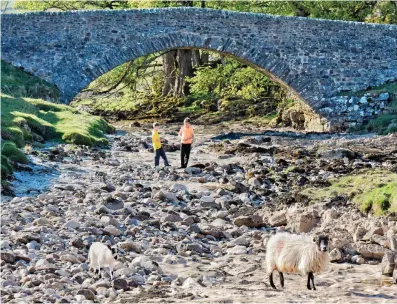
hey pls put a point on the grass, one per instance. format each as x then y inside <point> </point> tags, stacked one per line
<point>27,118</point>
<point>372,191</point>
<point>16,82</point>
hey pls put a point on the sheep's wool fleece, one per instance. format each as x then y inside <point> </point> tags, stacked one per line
<point>100,255</point>
<point>293,253</point>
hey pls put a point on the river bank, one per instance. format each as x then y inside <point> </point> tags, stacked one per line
<point>199,234</point>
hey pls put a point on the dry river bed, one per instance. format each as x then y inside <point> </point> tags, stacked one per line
<point>195,235</point>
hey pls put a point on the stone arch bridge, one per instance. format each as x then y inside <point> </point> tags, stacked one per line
<point>318,60</point>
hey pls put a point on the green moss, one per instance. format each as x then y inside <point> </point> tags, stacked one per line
<point>51,121</point>
<point>371,191</point>
<point>11,151</point>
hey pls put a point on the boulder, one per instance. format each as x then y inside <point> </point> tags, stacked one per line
<point>120,284</point>
<point>71,225</point>
<point>304,222</point>
<point>8,257</point>
<point>359,234</point>
<point>209,230</point>
<point>335,255</point>
<point>252,221</point>
<point>178,187</point>
<point>108,220</point>
<point>254,182</point>
<point>278,219</point>
<point>130,246</point>
<point>172,218</point>
<point>388,263</point>
<point>380,240</point>
<point>371,251</point>
<point>87,293</point>
<point>41,222</point>
<point>329,215</point>
<point>111,230</point>
<point>191,283</point>
<point>339,153</point>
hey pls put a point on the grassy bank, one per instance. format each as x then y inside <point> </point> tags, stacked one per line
<point>26,118</point>
<point>371,191</point>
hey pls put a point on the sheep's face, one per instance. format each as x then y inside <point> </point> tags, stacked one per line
<point>115,252</point>
<point>322,242</point>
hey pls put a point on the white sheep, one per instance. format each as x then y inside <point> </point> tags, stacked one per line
<point>293,253</point>
<point>101,256</point>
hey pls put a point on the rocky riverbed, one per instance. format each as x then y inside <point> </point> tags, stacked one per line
<point>199,234</point>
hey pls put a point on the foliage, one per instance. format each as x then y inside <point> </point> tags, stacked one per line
<point>69,5</point>
<point>371,191</point>
<point>364,11</point>
<point>230,79</point>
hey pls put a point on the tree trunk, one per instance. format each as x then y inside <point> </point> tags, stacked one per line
<point>185,70</point>
<point>196,58</point>
<point>169,67</point>
<point>204,58</point>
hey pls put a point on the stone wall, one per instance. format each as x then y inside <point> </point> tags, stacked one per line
<point>316,59</point>
<point>351,111</point>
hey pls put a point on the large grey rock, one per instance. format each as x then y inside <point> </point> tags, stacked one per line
<point>130,246</point>
<point>120,284</point>
<point>305,222</point>
<point>278,219</point>
<point>388,263</point>
<point>71,225</point>
<point>335,255</point>
<point>87,293</point>
<point>178,187</point>
<point>172,218</point>
<point>339,153</point>
<point>371,251</point>
<point>7,257</point>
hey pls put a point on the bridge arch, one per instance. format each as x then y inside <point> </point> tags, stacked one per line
<point>316,59</point>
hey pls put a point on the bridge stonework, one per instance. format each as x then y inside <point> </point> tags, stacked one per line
<point>318,60</point>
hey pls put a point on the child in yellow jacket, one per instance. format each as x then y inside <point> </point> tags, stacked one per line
<point>158,149</point>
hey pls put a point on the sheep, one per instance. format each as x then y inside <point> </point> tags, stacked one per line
<point>101,255</point>
<point>293,253</point>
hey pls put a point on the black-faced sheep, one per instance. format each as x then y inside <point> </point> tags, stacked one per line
<point>293,253</point>
<point>101,256</point>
